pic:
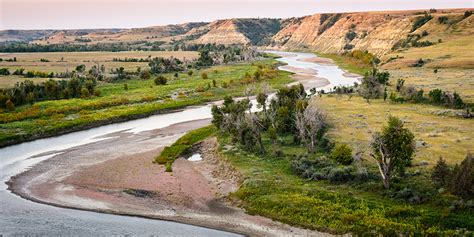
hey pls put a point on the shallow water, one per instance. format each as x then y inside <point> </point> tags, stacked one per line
<point>23,217</point>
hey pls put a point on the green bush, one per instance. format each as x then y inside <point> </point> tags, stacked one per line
<point>4,71</point>
<point>204,75</point>
<point>342,154</point>
<point>160,80</point>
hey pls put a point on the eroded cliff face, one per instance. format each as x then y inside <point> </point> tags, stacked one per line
<point>223,32</point>
<point>331,33</point>
<point>376,32</point>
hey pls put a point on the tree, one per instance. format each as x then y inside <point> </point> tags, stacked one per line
<point>463,178</point>
<point>81,68</point>
<point>392,149</point>
<point>311,124</point>
<point>204,75</point>
<point>440,173</point>
<point>261,100</point>
<point>372,84</point>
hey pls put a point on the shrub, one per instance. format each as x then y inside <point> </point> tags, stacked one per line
<point>342,153</point>
<point>145,74</point>
<point>125,87</point>
<point>340,174</point>
<point>419,63</point>
<point>443,19</point>
<point>160,80</point>
<point>351,35</point>
<point>19,71</point>
<point>348,47</point>
<point>204,75</point>
<point>190,72</point>
<point>200,88</point>
<point>9,105</point>
<point>85,93</point>
<point>4,71</point>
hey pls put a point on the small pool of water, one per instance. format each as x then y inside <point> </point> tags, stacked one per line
<point>195,157</point>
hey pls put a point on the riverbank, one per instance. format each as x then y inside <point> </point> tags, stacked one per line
<point>120,180</point>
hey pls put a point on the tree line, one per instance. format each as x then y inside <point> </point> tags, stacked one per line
<point>29,92</point>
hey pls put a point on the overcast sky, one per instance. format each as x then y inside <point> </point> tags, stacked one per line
<point>80,14</point>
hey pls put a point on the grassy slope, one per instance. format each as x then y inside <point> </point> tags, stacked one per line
<point>115,103</point>
<point>353,120</point>
<point>271,189</point>
<point>347,63</point>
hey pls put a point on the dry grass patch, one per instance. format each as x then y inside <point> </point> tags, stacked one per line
<point>31,61</point>
<point>354,120</point>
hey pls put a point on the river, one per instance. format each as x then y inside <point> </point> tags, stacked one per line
<point>19,216</point>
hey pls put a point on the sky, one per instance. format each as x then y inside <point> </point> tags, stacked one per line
<point>82,14</point>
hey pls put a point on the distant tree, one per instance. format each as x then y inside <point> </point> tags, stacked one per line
<point>372,84</point>
<point>392,149</point>
<point>467,14</point>
<point>204,75</point>
<point>81,68</point>
<point>125,86</point>
<point>190,72</point>
<point>205,58</point>
<point>440,173</point>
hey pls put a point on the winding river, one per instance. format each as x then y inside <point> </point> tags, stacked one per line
<point>19,216</point>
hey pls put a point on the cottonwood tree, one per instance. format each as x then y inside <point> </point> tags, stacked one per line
<point>392,149</point>
<point>373,83</point>
<point>311,124</point>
